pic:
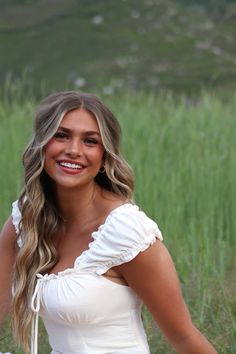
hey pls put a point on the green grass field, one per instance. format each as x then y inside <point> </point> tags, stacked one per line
<point>183,154</point>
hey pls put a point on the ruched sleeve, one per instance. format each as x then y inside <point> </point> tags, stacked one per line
<point>16,218</point>
<point>126,232</point>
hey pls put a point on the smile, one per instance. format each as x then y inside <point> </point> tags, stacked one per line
<point>73,166</point>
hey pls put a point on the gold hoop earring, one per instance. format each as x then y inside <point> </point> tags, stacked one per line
<point>102,169</point>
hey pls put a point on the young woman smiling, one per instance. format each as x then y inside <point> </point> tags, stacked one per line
<point>76,248</point>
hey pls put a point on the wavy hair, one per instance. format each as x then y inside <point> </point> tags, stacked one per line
<point>37,204</point>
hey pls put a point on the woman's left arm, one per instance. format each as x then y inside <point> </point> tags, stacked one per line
<point>153,277</point>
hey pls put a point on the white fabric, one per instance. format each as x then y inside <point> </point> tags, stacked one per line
<point>84,312</point>
<point>16,218</point>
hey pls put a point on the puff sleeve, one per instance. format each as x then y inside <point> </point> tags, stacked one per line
<point>16,218</point>
<point>126,232</point>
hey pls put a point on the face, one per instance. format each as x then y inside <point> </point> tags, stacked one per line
<point>74,155</point>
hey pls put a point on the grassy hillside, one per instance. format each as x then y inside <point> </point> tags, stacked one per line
<point>116,45</point>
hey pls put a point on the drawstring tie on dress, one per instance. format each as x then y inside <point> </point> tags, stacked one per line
<point>35,307</point>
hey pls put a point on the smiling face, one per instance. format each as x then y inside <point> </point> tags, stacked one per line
<point>74,155</point>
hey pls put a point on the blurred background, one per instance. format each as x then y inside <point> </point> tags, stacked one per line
<point>111,45</point>
<point>167,69</point>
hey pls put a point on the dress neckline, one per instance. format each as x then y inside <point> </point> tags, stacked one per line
<point>95,236</point>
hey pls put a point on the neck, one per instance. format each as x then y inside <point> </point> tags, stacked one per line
<point>76,204</point>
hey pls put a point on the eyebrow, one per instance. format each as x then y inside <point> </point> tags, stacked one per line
<point>86,132</point>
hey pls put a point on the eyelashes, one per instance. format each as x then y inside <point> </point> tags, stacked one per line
<point>91,141</point>
<point>61,135</point>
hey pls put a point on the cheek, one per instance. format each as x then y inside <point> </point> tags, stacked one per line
<point>50,146</point>
<point>95,154</point>
<point>47,164</point>
<point>49,151</point>
<point>99,154</point>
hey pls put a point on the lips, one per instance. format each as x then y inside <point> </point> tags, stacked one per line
<point>74,166</point>
<point>71,167</point>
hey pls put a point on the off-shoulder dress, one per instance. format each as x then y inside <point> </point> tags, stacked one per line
<point>84,312</point>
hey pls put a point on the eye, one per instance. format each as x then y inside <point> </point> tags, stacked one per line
<point>60,135</point>
<point>91,141</point>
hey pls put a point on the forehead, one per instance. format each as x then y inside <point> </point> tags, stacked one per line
<point>78,119</point>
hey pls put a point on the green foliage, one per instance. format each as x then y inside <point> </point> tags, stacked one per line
<point>183,154</point>
<point>212,5</point>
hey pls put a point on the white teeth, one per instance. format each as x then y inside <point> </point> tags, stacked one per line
<point>70,165</point>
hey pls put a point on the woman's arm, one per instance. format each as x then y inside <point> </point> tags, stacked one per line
<point>7,258</point>
<point>153,277</point>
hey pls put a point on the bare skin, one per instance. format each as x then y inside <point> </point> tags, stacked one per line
<point>153,277</point>
<point>70,245</point>
<point>7,258</point>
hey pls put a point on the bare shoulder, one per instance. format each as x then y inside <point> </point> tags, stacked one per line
<point>110,201</point>
<point>8,250</point>
<point>153,276</point>
<point>155,261</point>
<point>7,258</point>
<point>8,235</point>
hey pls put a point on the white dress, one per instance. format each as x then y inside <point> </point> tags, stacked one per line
<point>84,312</point>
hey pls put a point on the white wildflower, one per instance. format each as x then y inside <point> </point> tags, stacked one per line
<point>172,12</point>
<point>208,26</point>
<point>216,50</point>
<point>135,14</point>
<point>203,45</point>
<point>97,20</point>
<point>148,2</point>
<point>80,82</point>
<point>108,90</point>
<point>121,62</point>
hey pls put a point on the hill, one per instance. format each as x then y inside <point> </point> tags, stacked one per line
<point>115,45</point>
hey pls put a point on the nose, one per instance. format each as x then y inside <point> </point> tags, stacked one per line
<point>73,148</point>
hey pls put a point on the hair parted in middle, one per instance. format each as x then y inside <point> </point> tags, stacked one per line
<point>40,217</point>
<point>118,176</point>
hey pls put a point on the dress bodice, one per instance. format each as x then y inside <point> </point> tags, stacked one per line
<point>86,313</point>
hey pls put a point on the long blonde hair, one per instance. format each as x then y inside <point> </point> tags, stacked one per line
<point>40,216</point>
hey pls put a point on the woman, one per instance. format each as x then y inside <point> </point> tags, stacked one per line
<point>86,256</point>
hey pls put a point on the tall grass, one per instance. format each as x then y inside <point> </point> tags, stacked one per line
<point>183,155</point>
